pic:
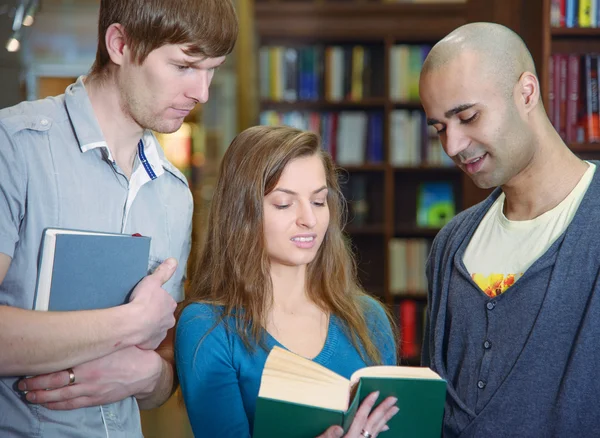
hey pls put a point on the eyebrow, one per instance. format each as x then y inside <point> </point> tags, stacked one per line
<point>291,192</point>
<point>454,111</point>
<point>197,61</point>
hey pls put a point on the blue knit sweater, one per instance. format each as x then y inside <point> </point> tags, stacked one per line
<point>220,378</point>
<point>526,363</point>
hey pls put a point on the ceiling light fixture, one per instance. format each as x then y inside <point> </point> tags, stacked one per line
<point>30,13</point>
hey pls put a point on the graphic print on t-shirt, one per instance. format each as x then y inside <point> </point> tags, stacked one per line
<point>495,284</point>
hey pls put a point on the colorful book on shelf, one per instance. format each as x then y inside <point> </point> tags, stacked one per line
<point>435,204</point>
<point>299,398</point>
<point>85,270</point>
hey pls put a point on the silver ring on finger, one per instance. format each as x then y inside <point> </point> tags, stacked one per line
<point>365,434</point>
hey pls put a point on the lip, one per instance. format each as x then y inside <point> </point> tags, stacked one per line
<point>183,112</point>
<point>474,165</point>
<point>306,244</point>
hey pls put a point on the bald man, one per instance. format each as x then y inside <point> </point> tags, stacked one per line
<point>514,293</point>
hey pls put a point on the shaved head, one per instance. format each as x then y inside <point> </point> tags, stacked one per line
<point>503,56</point>
<point>480,92</point>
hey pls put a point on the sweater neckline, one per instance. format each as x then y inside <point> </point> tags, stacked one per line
<point>329,347</point>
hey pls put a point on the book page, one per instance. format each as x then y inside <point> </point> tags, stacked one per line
<point>295,379</point>
<point>396,371</point>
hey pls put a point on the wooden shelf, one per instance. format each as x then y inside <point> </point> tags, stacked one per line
<point>407,105</point>
<point>365,229</point>
<point>428,169</point>
<point>585,147</point>
<point>367,167</point>
<point>322,104</point>
<point>414,361</point>
<point>416,232</point>
<point>318,21</point>
<point>575,32</point>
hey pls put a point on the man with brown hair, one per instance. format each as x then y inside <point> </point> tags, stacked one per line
<point>88,160</point>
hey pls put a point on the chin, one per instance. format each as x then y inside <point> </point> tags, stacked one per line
<point>487,181</point>
<point>168,128</point>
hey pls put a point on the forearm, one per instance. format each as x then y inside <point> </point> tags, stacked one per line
<point>166,383</point>
<point>35,342</point>
<point>165,386</point>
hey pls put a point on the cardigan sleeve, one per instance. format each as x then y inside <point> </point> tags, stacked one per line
<point>209,381</point>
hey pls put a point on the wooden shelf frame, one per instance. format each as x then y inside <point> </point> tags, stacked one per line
<point>352,21</point>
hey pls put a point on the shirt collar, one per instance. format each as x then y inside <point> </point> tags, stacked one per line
<point>89,135</point>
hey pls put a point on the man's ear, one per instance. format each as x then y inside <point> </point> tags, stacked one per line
<point>116,43</point>
<point>529,91</point>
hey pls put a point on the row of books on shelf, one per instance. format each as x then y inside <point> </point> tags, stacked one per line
<point>406,62</point>
<point>575,13</point>
<point>407,258</point>
<point>354,138</point>
<point>339,73</point>
<point>574,96</point>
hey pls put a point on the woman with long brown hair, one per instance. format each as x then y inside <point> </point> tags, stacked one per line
<point>275,270</point>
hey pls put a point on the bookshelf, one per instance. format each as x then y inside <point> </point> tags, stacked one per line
<point>383,209</point>
<point>550,39</point>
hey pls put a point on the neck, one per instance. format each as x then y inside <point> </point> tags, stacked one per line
<point>551,175</point>
<point>121,132</point>
<point>289,288</point>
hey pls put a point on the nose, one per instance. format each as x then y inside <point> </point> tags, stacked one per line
<point>454,141</point>
<point>306,216</point>
<point>198,90</point>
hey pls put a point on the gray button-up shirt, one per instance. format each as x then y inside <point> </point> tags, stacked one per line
<point>57,171</point>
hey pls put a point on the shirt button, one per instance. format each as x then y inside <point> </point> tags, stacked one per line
<point>481,384</point>
<point>487,345</point>
<point>44,122</point>
<point>491,305</point>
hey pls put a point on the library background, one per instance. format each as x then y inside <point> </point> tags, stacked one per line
<point>347,69</point>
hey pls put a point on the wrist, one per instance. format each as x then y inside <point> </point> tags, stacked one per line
<point>131,319</point>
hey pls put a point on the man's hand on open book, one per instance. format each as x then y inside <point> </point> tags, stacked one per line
<point>155,307</point>
<point>109,379</point>
<point>368,422</point>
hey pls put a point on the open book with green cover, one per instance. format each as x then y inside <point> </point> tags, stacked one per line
<point>299,398</point>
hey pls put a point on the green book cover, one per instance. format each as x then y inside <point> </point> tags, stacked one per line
<point>421,398</point>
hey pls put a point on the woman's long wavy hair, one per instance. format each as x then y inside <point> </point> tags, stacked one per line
<point>233,267</point>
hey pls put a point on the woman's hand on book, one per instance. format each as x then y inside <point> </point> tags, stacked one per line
<point>368,422</point>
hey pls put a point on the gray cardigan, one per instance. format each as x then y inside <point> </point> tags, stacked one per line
<point>527,363</point>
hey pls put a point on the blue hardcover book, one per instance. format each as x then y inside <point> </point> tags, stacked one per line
<point>85,270</point>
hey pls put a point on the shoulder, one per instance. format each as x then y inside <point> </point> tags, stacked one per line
<point>372,308</point>
<point>375,315</point>
<point>199,324</point>
<point>196,316</point>
<point>39,115</point>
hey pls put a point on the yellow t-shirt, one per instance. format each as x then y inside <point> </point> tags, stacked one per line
<point>501,250</point>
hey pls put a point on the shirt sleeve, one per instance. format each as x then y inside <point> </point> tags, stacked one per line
<point>182,267</point>
<point>209,381</point>
<point>381,331</point>
<point>12,192</point>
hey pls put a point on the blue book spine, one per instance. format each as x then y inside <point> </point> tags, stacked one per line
<point>571,13</point>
